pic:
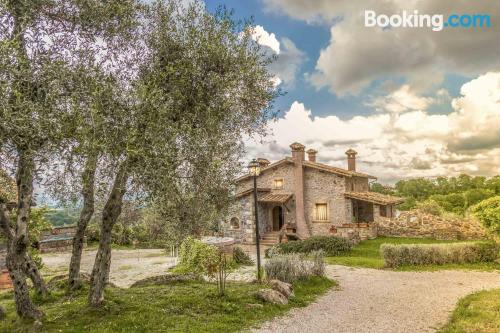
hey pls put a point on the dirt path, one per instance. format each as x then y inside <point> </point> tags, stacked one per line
<point>127,266</point>
<point>370,300</point>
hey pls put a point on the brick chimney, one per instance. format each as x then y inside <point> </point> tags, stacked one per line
<point>263,162</point>
<point>298,151</point>
<point>298,156</point>
<point>351,159</point>
<point>311,155</point>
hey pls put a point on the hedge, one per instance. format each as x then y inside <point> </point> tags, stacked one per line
<point>330,245</point>
<point>438,254</point>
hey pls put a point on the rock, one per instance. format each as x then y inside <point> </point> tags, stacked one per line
<point>254,306</point>
<point>272,296</point>
<point>285,288</point>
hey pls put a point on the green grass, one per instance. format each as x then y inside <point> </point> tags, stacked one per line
<point>177,307</point>
<point>367,254</point>
<point>479,312</point>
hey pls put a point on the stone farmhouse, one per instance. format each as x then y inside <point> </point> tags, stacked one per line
<point>299,197</point>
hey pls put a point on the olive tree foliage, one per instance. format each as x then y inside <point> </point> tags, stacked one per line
<point>209,80</point>
<point>44,45</point>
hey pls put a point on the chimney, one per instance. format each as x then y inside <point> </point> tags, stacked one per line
<point>351,159</point>
<point>298,151</point>
<point>311,155</point>
<point>298,155</point>
<point>263,162</point>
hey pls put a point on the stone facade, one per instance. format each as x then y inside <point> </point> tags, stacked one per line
<point>417,224</point>
<point>305,187</point>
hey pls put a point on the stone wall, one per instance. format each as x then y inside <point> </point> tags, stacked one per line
<point>417,224</point>
<point>324,187</point>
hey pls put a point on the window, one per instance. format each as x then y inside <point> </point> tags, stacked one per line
<point>278,183</point>
<point>383,211</point>
<point>235,223</point>
<point>321,212</point>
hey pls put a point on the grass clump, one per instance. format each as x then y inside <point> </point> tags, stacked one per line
<point>330,245</point>
<point>189,306</point>
<point>478,312</point>
<point>295,267</point>
<point>438,254</point>
<point>241,257</point>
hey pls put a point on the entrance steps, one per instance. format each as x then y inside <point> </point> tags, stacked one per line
<point>270,238</point>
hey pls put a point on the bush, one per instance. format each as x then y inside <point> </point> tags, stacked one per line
<point>488,213</point>
<point>204,259</point>
<point>430,207</point>
<point>330,245</point>
<point>293,267</point>
<point>241,257</point>
<point>438,254</point>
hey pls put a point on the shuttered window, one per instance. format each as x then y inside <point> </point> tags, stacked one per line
<point>321,212</point>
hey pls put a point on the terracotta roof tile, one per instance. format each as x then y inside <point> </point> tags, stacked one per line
<point>377,198</point>
<point>275,198</point>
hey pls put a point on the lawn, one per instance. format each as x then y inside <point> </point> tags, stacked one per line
<point>367,254</point>
<point>479,312</point>
<point>177,307</point>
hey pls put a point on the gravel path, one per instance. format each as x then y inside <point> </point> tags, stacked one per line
<point>370,300</point>
<point>127,266</point>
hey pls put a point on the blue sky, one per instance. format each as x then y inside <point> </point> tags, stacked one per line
<point>413,102</point>
<point>311,38</point>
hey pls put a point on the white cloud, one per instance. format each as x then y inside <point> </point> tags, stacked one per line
<point>401,100</point>
<point>356,56</point>
<point>407,143</point>
<point>261,36</point>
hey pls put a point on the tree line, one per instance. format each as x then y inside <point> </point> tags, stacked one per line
<point>104,103</point>
<point>452,194</point>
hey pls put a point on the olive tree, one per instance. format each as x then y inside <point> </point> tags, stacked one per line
<point>202,84</point>
<point>43,47</point>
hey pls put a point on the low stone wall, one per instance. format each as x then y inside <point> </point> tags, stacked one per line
<point>421,225</point>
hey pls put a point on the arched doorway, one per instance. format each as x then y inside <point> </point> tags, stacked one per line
<point>277,218</point>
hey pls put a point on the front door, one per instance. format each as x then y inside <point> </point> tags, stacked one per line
<point>277,218</point>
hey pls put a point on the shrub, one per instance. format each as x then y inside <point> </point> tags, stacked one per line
<point>204,259</point>
<point>488,213</point>
<point>293,267</point>
<point>241,257</point>
<point>430,207</point>
<point>438,254</point>
<point>330,245</point>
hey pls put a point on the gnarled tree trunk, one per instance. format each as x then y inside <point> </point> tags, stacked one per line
<point>18,262</point>
<point>110,214</point>
<point>88,179</point>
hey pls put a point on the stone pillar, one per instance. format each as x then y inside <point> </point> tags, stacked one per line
<point>298,159</point>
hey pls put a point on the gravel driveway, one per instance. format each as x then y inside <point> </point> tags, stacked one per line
<point>127,266</point>
<point>370,300</point>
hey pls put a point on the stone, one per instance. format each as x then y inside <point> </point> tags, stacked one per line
<point>272,296</point>
<point>283,287</point>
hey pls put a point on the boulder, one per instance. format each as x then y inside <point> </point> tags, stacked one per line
<point>283,287</point>
<point>272,296</point>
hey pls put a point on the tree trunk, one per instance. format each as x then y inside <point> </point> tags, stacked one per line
<point>110,214</point>
<point>24,307</point>
<point>88,179</point>
<point>17,260</point>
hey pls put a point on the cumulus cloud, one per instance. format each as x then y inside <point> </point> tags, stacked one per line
<point>407,143</point>
<point>261,36</point>
<point>289,58</point>
<point>356,56</point>
<point>402,99</point>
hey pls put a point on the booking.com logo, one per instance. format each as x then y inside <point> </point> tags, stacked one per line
<point>415,20</point>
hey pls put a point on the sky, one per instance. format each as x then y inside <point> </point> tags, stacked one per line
<point>412,102</point>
